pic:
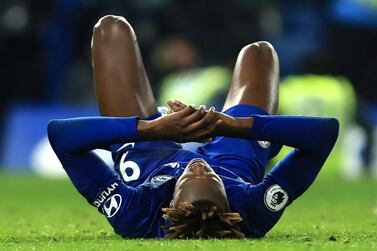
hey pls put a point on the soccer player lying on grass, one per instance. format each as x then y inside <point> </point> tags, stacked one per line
<point>157,189</point>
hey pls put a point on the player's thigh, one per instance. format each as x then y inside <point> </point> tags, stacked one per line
<point>121,83</point>
<point>255,78</point>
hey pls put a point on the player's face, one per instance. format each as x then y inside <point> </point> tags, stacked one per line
<point>200,182</point>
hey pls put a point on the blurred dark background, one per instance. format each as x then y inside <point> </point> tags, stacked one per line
<point>45,54</point>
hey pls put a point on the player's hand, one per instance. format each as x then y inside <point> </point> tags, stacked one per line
<point>229,126</point>
<point>187,124</point>
<point>175,106</point>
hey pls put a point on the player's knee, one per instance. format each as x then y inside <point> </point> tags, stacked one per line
<point>258,50</point>
<point>113,26</point>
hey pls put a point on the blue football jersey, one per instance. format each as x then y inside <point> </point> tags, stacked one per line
<point>142,181</point>
<point>155,177</point>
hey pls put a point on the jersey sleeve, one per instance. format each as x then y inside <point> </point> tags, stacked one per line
<point>87,133</point>
<point>313,140</point>
<point>258,216</point>
<point>73,141</point>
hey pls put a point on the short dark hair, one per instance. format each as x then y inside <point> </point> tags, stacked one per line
<point>200,220</point>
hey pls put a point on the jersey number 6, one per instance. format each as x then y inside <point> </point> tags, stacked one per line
<point>124,165</point>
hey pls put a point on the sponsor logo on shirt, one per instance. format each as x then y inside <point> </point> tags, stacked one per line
<point>264,144</point>
<point>104,194</point>
<point>275,198</point>
<point>112,205</point>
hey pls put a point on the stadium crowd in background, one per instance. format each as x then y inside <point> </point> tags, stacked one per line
<point>45,50</point>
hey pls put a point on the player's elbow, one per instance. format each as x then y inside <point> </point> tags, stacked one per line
<point>330,132</point>
<point>54,133</point>
<point>333,130</point>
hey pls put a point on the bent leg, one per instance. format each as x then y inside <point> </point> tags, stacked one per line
<point>121,84</point>
<point>255,78</point>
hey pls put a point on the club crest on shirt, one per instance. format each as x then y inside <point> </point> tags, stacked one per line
<point>264,144</point>
<point>112,205</point>
<point>173,165</point>
<point>275,198</point>
<point>160,179</point>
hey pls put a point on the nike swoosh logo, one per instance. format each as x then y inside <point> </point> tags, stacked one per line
<point>125,145</point>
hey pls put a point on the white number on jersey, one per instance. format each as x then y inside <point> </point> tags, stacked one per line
<point>128,164</point>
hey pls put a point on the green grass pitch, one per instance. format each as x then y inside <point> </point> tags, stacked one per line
<point>42,214</point>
